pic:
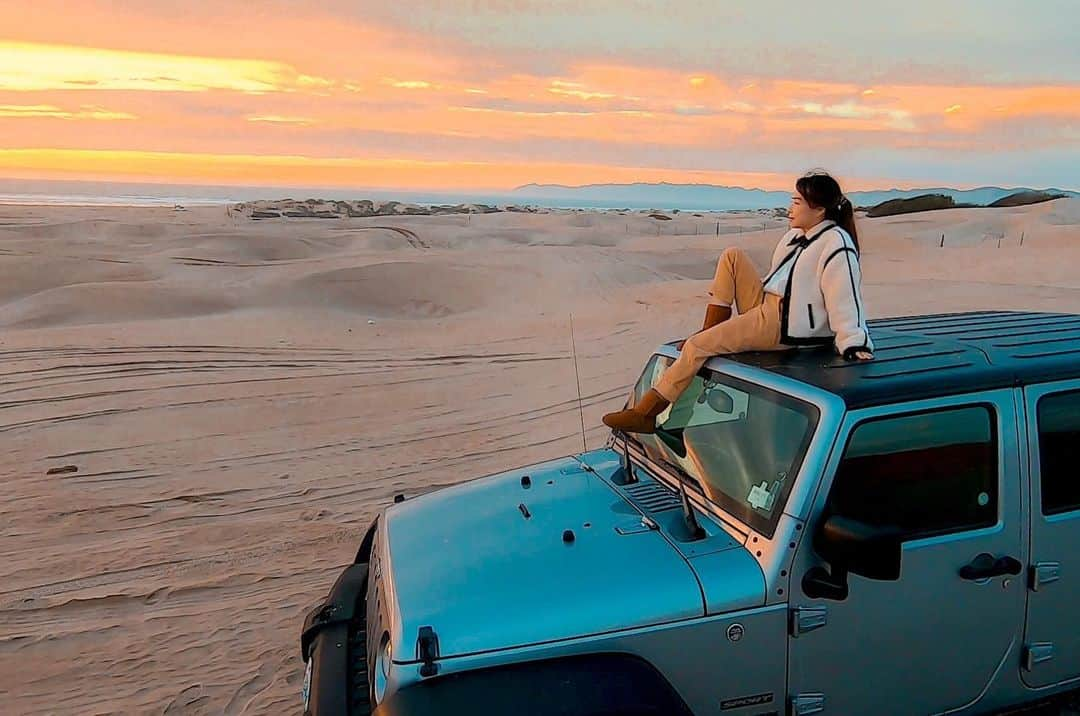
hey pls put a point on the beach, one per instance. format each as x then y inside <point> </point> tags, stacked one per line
<point>234,399</point>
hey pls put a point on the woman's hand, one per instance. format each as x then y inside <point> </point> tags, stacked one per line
<point>858,354</point>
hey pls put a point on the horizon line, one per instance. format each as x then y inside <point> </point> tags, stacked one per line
<point>465,191</point>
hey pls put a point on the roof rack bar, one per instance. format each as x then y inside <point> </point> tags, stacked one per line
<point>999,322</point>
<point>951,314</point>
<point>880,346</point>
<point>914,371</point>
<point>947,318</point>
<point>1047,354</point>
<point>969,334</point>
<point>894,359</point>
<point>1016,344</point>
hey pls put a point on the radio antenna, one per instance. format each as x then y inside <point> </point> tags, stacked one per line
<point>577,377</point>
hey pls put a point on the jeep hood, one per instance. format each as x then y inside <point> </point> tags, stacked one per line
<point>503,562</point>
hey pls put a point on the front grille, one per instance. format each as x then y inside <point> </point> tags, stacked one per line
<point>365,634</point>
<point>359,691</point>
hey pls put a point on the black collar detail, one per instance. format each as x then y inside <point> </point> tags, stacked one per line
<point>804,240</point>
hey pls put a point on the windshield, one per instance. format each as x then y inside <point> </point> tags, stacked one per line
<point>744,443</point>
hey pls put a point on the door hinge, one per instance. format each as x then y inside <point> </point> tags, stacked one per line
<point>804,704</point>
<point>807,619</point>
<point>1037,653</point>
<point>1044,573</point>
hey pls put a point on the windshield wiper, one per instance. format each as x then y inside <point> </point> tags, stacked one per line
<point>675,443</point>
<point>628,476</point>
<point>669,439</point>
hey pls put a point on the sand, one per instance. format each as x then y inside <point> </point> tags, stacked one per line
<point>241,396</point>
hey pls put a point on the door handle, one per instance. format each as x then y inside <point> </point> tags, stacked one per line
<point>984,566</point>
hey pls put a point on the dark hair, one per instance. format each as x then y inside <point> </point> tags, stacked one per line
<point>822,191</point>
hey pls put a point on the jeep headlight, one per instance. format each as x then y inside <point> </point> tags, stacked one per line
<point>382,669</point>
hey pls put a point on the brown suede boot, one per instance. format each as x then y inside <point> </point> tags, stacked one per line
<point>641,418</point>
<point>715,314</point>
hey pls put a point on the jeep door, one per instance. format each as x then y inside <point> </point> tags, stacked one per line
<point>946,473</point>
<point>1052,640</point>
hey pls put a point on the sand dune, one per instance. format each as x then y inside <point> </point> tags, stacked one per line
<point>1048,225</point>
<point>236,421</point>
<point>391,289</point>
<point>17,282</point>
<point>107,303</point>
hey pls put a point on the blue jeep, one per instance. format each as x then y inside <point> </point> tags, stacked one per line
<point>803,535</point>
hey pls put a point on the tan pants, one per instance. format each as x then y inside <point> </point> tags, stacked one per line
<point>755,328</point>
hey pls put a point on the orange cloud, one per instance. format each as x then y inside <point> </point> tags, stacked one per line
<point>285,170</point>
<point>408,84</point>
<point>237,88</point>
<point>34,67</point>
<point>575,89</point>
<point>276,119</point>
<point>28,111</point>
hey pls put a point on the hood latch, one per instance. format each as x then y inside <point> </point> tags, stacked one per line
<point>427,651</point>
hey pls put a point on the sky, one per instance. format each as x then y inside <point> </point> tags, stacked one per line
<point>459,95</point>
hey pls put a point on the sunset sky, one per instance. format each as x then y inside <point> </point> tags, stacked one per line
<point>491,94</point>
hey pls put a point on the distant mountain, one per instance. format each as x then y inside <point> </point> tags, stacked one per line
<point>651,196</point>
<point>726,198</point>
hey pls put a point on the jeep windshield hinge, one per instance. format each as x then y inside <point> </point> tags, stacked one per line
<point>804,704</point>
<point>1035,654</point>
<point>1044,573</point>
<point>427,651</point>
<point>807,619</point>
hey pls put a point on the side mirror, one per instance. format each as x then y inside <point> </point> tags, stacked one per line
<point>852,546</point>
<point>866,550</point>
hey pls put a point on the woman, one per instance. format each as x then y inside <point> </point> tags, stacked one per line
<point>811,296</point>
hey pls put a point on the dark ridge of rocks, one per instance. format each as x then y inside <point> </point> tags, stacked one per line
<point>300,213</point>
<point>1023,198</point>
<point>925,202</point>
<point>364,207</point>
<point>339,209</point>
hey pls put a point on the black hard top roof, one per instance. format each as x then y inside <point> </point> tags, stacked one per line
<point>943,354</point>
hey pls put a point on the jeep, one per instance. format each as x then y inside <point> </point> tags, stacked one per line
<point>801,535</point>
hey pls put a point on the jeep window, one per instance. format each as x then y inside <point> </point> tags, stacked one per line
<point>1059,451</point>
<point>744,442</point>
<point>927,473</point>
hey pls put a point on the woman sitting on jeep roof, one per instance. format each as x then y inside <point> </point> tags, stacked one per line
<point>811,296</point>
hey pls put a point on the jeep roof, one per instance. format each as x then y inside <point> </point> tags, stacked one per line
<point>941,354</point>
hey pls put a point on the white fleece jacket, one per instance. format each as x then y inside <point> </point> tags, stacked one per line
<point>822,294</point>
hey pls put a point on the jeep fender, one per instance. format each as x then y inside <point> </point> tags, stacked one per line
<point>325,640</point>
<point>587,685</point>
<point>363,554</point>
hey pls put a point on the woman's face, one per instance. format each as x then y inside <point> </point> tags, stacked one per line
<point>802,215</point>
